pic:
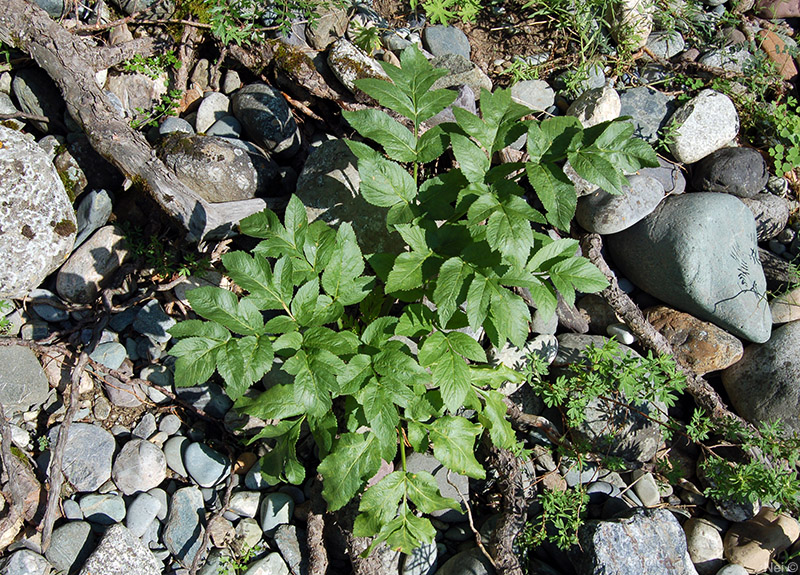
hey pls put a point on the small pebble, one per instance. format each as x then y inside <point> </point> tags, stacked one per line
<point>146,426</point>
<point>276,509</point>
<point>621,332</point>
<point>169,424</point>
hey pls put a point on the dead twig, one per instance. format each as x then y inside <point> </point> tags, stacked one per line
<point>512,519</point>
<point>315,527</point>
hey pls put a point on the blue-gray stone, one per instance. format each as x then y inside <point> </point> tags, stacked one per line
<point>183,532</point>
<point>292,545</point>
<point>146,426</point>
<point>92,214</point>
<point>26,562</point>
<point>103,509</point>
<point>448,488</point>
<point>276,509</point>
<point>174,124</point>
<point>38,299</point>
<point>123,319</point>
<point>141,513</point>
<point>161,495</point>
<point>169,424</point>
<point>472,562</point>
<point>146,348</point>
<point>87,455</point>
<point>254,479</point>
<point>54,8</point>
<point>72,510</point>
<point>266,118</point>
<point>668,174</point>
<point>111,354</point>
<point>139,466</point>
<point>535,94</point>
<point>666,43</point>
<point>153,322</point>
<point>441,40</point>
<point>649,110</point>
<point>38,95</point>
<point>174,450</point>
<point>678,255</point>
<point>225,127</point>
<point>121,552</point>
<point>605,213</point>
<point>214,106</point>
<point>272,564</point>
<point>70,546</point>
<point>422,561</point>
<point>460,71</point>
<point>210,398</point>
<point>23,383</point>
<point>205,465</point>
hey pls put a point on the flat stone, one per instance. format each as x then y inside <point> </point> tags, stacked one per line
<point>123,394</point>
<point>472,562</point>
<point>428,463</point>
<point>276,509</point>
<point>292,546</point>
<point>23,383</point>
<point>763,385</point>
<point>120,552</point>
<point>174,449</point>
<point>266,118</point>
<point>676,254</point>
<point>37,95</point>
<point>643,541</point>
<point>649,110</point>
<point>93,264</point>
<point>26,562</point>
<point>92,213</point>
<point>226,127</point>
<point>205,465</point>
<point>596,106</point>
<point>666,43</point>
<point>272,564</point>
<point>329,25</point>
<point>173,124</point>
<point>139,466</point>
<point>730,58</point>
<point>646,488</point>
<point>702,126</point>
<point>771,213</point>
<point>753,543</point>
<point>87,455</point>
<point>440,40</point>
<point>738,171</point>
<point>422,561</point>
<point>36,218</point>
<point>461,71</point>
<point>170,424</point>
<point>110,353</point>
<point>209,397</point>
<point>704,544</point>
<point>535,94</point>
<point>350,63</point>
<point>605,213</point>
<point>153,322</point>
<point>141,513</point>
<point>328,187</point>
<point>214,106</point>
<point>146,426</point>
<point>70,546</point>
<point>183,531</point>
<point>103,509</point>
<point>245,503</point>
<point>700,345</point>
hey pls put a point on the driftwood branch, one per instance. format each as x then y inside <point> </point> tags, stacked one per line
<point>512,519</point>
<point>104,57</point>
<point>315,531</point>
<point>63,56</point>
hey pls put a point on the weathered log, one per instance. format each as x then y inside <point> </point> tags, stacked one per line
<point>67,60</point>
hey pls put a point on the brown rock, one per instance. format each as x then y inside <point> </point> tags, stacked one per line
<point>753,543</point>
<point>778,8</point>
<point>775,48</point>
<point>700,345</point>
<point>786,307</point>
<point>244,462</point>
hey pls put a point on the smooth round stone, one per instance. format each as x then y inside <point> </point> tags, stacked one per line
<point>90,266</point>
<point>272,564</point>
<point>213,107</point>
<point>146,426</point>
<point>535,94</point>
<point>702,126</point>
<point>226,127</point>
<point>599,491</point>
<point>621,332</point>
<point>153,322</point>
<point>174,124</point>
<point>732,569</point>
<point>254,479</point>
<point>111,354</point>
<point>646,488</point>
<point>205,465</point>
<point>422,560</point>
<point>266,118</point>
<point>173,451</point>
<point>70,546</point>
<point>771,213</point>
<point>245,503</point>
<point>139,466</point>
<point>141,513</point>
<point>44,310</point>
<point>738,171</point>
<point>276,509</point>
<point>169,424</point>
<point>704,544</point>
<point>103,509</point>
<point>183,531</point>
<point>72,510</point>
<point>26,562</point>
<point>596,106</point>
<point>161,495</point>
<point>786,307</point>
<point>605,213</point>
<point>441,40</point>
<point>458,533</point>
<point>666,44</point>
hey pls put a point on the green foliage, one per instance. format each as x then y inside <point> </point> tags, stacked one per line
<point>445,11</point>
<point>152,66</point>
<point>230,565</point>
<point>5,325</point>
<point>368,38</point>
<point>168,106</point>
<point>521,70</point>
<point>361,387</point>
<point>43,442</point>
<point>562,515</point>
<point>786,152</point>
<point>165,261</point>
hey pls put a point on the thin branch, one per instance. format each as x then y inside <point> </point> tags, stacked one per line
<point>315,531</point>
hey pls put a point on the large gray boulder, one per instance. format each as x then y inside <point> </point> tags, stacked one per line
<point>328,187</point>
<point>23,383</point>
<point>120,552</point>
<point>183,532</point>
<point>37,222</point>
<point>698,253</point>
<point>765,384</point>
<point>606,213</point>
<point>87,455</point>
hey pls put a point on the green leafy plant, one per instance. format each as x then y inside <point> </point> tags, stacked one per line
<point>5,324</point>
<point>786,152</point>
<point>166,262</point>
<point>168,106</point>
<point>562,515</point>
<point>152,66</point>
<point>378,365</point>
<point>445,11</point>
<point>368,38</point>
<point>236,565</point>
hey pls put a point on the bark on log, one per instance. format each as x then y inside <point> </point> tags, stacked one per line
<point>67,60</point>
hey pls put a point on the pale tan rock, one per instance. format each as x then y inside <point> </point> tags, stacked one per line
<point>632,22</point>
<point>596,106</point>
<point>786,307</point>
<point>753,543</point>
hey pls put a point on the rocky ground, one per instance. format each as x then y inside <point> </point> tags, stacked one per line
<point>109,468</point>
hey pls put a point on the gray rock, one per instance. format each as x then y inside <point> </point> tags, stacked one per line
<point>72,175</point>
<point>42,303</point>
<point>704,544</point>
<point>646,488</point>
<point>464,100</point>
<point>26,562</point>
<point>471,562</point>
<point>38,95</point>
<point>763,385</point>
<point>70,546</point>
<point>37,221</point>
<point>161,495</point>
<point>7,107</point>
<point>214,106</point>
<point>103,509</point>
<point>173,124</point>
<point>245,503</point>
<point>328,187</point>
<point>426,462</point>
<point>644,541</point>
<point>666,43</point>
<point>676,255</point>
<point>738,171</point>
<point>123,394</point>
<point>668,174</point>
<point>605,213</point>
<point>596,106</point>
<point>649,110</point>
<point>276,509</point>
<point>146,426</point>
<point>272,564</point>
<point>183,532</point>
<point>702,126</point>
<point>350,63</point>
<point>136,91</point>
<point>92,213</point>
<point>87,455</point>
<point>266,118</point>
<point>110,353</point>
<point>731,58</point>
<point>211,167</point>
<point>422,561</point>
<point>231,82</point>
<point>631,23</point>
<point>771,213</point>
<point>120,552</point>
<point>141,513</point>
<point>170,424</point>
<point>596,78</point>
<point>174,449</point>
<point>54,8</point>
<point>292,546</point>
<point>254,479</point>
<point>226,127</point>
<point>441,40</point>
<point>92,265</point>
<point>139,466</point>
<point>535,94</point>
<point>460,71</point>
<point>72,510</point>
<point>732,569</point>
<point>329,25</point>
<point>210,398</point>
<point>153,322</point>
<point>205,465</point>
<point>23,383</point>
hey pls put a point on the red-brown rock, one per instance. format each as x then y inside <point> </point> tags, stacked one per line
<point>775,48</point>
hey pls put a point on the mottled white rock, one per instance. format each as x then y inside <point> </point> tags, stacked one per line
<point>702,126</point>
<point>595,106</point>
